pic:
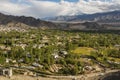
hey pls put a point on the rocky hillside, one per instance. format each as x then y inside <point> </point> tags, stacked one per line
<point>10,20</point>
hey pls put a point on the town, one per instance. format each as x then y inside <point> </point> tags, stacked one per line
<point>42,52</point>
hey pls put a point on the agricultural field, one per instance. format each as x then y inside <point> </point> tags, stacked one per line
<point>83,50</point>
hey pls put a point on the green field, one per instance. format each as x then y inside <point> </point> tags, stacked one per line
<point>83,50</point>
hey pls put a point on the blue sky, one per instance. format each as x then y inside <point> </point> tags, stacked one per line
<point>51,8</point>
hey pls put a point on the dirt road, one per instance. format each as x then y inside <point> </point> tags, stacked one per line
<point>92,76</point>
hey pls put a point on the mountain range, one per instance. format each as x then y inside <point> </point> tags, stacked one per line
<point>98,21</point>
<point>113,16</point>
<point>106,20</point>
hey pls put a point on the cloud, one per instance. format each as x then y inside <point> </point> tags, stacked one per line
<point>41,8</point>
<point>9,7</point>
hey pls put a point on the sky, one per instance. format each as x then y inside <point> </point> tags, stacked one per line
<point>51,8</point>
